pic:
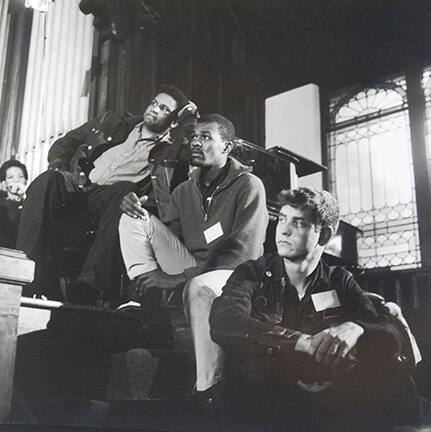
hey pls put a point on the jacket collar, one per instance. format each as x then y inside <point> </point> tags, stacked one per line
<point>320,275</point>
<point>236,169</point>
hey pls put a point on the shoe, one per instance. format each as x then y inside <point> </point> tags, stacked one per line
<point>211,399</point>
<point>83,293</point>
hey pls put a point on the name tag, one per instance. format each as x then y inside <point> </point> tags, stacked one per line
<point>325,300</point>
<point>213,233</point>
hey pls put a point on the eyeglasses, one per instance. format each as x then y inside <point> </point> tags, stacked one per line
<point>162,107</point>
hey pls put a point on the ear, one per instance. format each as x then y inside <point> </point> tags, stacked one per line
<point>326,234</point>
<point>227,147</point>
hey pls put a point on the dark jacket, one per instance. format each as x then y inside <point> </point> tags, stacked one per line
<point>78,149</point>
<point>87,142</point>
<point>257,320</point>
<point>258,303</point>
<point>10,212</point>
<point>238,204</point>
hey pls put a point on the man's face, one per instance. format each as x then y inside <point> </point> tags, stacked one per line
<point>15,181</point>
<point>158,112</point>
<point>296,235</point>
<point>208,148</point>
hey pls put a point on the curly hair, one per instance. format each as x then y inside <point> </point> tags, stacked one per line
<point>175,93</point>
<point>324,207</point>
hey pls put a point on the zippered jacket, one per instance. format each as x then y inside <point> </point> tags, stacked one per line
<point>236,213</point>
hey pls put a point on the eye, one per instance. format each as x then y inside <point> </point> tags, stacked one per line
<point>154,102</point>
<point>165,109</point>
<point>282,219</point>
<point>206,137</point>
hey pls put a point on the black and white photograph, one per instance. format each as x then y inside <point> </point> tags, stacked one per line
<point>215,215</point>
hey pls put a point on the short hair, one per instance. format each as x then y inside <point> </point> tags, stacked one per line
<point>324,207</point>
<point>174,92</point>
<point>225,126</point>
<point>12,163</point>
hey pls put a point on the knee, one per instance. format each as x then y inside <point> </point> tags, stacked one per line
<point>131,226</point>
<point>126,224</point>
<point>49,182</point>
<point>48,178</point>
<point>197,291</point>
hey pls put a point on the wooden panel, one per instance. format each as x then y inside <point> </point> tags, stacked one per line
<point>31,320</point>
<point>9,309</point>
<point>15,266</point>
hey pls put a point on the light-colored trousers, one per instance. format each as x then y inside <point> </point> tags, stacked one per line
<point>147,245</point>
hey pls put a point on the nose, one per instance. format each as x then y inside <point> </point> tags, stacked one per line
<point>196,142</point>
<point>155,108</point>
<point>286,229</point>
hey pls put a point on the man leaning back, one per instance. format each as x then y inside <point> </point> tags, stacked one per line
<point>117,152</point>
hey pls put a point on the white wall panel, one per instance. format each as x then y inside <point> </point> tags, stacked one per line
<point>292,120</point>
<point>55,99</point>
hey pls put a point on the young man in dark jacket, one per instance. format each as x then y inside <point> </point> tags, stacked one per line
<point>220,222</point>
<point>92,168</point>
<point>305,337</point>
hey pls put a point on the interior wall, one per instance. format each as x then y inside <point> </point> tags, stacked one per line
<point>292,121</point>
<point>56,88</point>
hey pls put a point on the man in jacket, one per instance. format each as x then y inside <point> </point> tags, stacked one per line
<point>304,337</point>
<point>92,168</point>
<point>220,222</point>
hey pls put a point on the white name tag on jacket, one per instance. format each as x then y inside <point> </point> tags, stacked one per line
<point>325,300</point>
<point>213,233</point>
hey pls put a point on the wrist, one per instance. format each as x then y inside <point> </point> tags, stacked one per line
<point>356,327</point>
<point>303,343</point>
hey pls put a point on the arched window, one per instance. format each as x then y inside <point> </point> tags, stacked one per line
<point>371,172</point>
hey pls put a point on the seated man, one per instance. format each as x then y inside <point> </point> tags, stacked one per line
<point>92,168</point>
<point>220,222</point>
<point>304,338</point>
<point>13,175</point>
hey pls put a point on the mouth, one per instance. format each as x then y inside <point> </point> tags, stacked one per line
<point>284,243</point>
<point>197,153</point>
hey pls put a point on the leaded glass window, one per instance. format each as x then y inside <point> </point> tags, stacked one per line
<point>426,85</point>
<point>371,172</point>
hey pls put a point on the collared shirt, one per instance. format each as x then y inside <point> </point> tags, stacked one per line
<point>125,162</point>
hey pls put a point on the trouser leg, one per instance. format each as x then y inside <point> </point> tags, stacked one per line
<point>148,244</point>
<point>103,262</point>
<point>198,297</point>
<point>45,203</point>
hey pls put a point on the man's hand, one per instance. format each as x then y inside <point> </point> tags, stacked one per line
<point>132,206</point>
<point>16,191</point>
<point>157,279</point>
<point>331,345</point>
